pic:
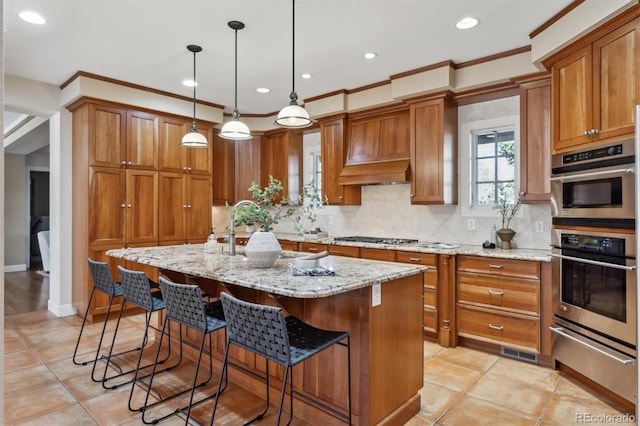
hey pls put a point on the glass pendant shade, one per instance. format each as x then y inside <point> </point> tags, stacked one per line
<point>235,129</point>
<point>194,139</point>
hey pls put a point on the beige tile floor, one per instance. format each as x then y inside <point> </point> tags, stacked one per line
<point>461,386</point>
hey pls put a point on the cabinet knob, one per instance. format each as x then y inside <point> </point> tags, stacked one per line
<point>184,168</point>
<point>587,132</point>
<point>594,131</point>
<point>123,205</point>
<point>130,163</point>
<point>124,163</point>
<point>412,195</point>
<point>189,168</point>
<point>340,197</point>
<point>128,206</point>
<point>184,206</point>
<point>523,193</point>
<point>188,206</point>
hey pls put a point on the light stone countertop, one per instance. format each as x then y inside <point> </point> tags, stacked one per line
<point>464,249</point>
<point>351,273</point>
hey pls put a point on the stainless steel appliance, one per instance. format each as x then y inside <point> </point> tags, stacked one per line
<point>376,240</point>
<point>595,305</point>
<point>595,184</point>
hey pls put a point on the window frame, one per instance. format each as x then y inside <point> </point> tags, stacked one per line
<point>497,155</point>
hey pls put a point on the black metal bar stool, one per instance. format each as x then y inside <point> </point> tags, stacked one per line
<point>102,282</point>
<point>265,331</point>
<point>138,290</point>
<point>184,305</point>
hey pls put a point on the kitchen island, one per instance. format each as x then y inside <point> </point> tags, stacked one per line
<point>379,303</point>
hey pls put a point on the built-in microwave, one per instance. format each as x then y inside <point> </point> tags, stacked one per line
<point>595,183</point>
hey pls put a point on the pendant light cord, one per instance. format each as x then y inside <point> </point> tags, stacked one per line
<point>293,47</point>
<point>194,91</point>
<point>235,105</point>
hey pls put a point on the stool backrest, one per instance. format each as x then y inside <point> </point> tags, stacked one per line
<point>184,304</point>
<point>136,288</point>
<point>102,278</point>
<point>258,328</point>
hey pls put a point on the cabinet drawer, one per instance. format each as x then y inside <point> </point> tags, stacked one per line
<point>493,326</point>
<point>378,254</point>
<point>430,278</point>
<point>495,266</point>
<point>312,247</point>
<point>288,245</point>
<point>426,259</point>
<point>504,292</point>
<point>430,319</point>
<point>430,297</point>
<point>346,251</point>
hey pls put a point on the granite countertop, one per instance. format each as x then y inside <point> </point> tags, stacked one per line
<point>351,273</point>
<point>463,249</point>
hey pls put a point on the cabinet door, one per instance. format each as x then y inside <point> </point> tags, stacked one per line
<point>107,136</point>
<point>142,206</point>
<point>282,159</point>
<point>107,206</point>
<point>142,140</point>
<point>172,207</point>
<point>535,142</point>
<point>616,63</point>
<point>382,137</point>
<point>171,156</point>
<point>198,208</point>
<point>433,135</point>
<point>247,166</point>
<point>200,160</point>
<point>572,100</point>
<point>333,146</point>
<point>224,159</point>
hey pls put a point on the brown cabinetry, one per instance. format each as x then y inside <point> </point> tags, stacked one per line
<point>433,125</point>
<point>346,251</point>
<point>281,157</point>
<point>312,247</point>
<point>430,287</point>
<point>117,152</point>
<point>334,153</point>
<point>498,301</point>
<point>224,151</point>
<point>535,141</point>
<point>596,87</point>
<point>380,137</point>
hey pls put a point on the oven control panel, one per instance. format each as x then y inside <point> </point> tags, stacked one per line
<point>606,151</point>
<point>603,245</point>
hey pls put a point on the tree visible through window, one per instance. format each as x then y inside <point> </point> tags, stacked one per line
<point>494,167</point>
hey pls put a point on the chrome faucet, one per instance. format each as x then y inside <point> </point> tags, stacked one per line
<point>232,226</point>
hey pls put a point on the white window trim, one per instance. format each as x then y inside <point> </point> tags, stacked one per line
<point>465,160</point>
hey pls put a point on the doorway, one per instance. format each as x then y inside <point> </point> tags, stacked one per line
<point>38,218</point>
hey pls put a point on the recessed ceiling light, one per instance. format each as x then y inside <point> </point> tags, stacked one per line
<point>306,76</point>
<point>263,90</point>
<point>466,23</point>
<point>370,55</point>
<point>190,83</point>
<point>32,17</point>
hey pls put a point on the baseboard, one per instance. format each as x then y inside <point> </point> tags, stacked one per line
<point>15,268</point>
<point>61,310</point>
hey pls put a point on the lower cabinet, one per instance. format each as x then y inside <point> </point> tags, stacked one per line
<point>498,301</point>
<point>429,289</point>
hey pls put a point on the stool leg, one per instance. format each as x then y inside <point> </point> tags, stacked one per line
<point>222,373</point>
<point>113,342</point>
<point>146,399</point>
<point>104,327</point>
<point>84,320</point>
<point>349,375</point>
<point>195,378</point>
<point>284,387</point>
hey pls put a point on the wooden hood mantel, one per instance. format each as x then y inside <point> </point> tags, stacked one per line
<point>375,173</point>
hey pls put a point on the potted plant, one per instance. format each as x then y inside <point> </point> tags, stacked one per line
<point>268,208</point>
<point>507,206</point>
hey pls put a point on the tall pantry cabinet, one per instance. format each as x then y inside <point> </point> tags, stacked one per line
<point>116,187</point>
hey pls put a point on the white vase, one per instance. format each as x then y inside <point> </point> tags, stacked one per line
<point>263,249</point>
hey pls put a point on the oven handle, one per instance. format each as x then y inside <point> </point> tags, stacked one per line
<point>593,174</point>
<point>561,331</point>
<point>594,262</point>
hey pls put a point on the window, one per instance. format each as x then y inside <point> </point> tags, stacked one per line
<point>317,172</point>
<point>493,167</point>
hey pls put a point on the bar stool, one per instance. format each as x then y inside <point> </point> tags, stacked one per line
<point>102,282</point>
<point>184,305</point>
<point>138,290</point>
<point>265,331</point>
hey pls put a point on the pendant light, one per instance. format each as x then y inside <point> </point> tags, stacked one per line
<point>234,128</point>
<point>194,139</point>
<point>293,115</point>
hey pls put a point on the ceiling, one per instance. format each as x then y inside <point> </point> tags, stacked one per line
<point>144,42</point>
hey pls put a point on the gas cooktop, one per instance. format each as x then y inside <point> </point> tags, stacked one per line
<point>376,240</point>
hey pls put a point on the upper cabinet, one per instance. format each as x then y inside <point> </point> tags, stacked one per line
<point>380,137</point>
<point>247,166</point>
<point>174,158</point>
<point>142,140</point>
<point>433,135</point>
<point>107,135</point>
<point>281,157</point>
<point>333,152</point>
<point>224,160</point>
<point>535,141</point>
<point>595,88</point>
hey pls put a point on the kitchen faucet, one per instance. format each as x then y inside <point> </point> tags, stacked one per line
<point>232,226</point>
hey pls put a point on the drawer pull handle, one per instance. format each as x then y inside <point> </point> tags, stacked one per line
<point>415,259</point>
<point>313,249</point>
<point>496,292</point>
<point>496,327</point>
<point>494,266</point>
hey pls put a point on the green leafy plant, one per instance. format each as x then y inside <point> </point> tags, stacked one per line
<point>508,205</point>
<point>271,206</point>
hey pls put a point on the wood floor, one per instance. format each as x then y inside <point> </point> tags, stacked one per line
<point>25,291</point>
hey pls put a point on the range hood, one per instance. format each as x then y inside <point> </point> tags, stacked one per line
<point>384,172</point>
